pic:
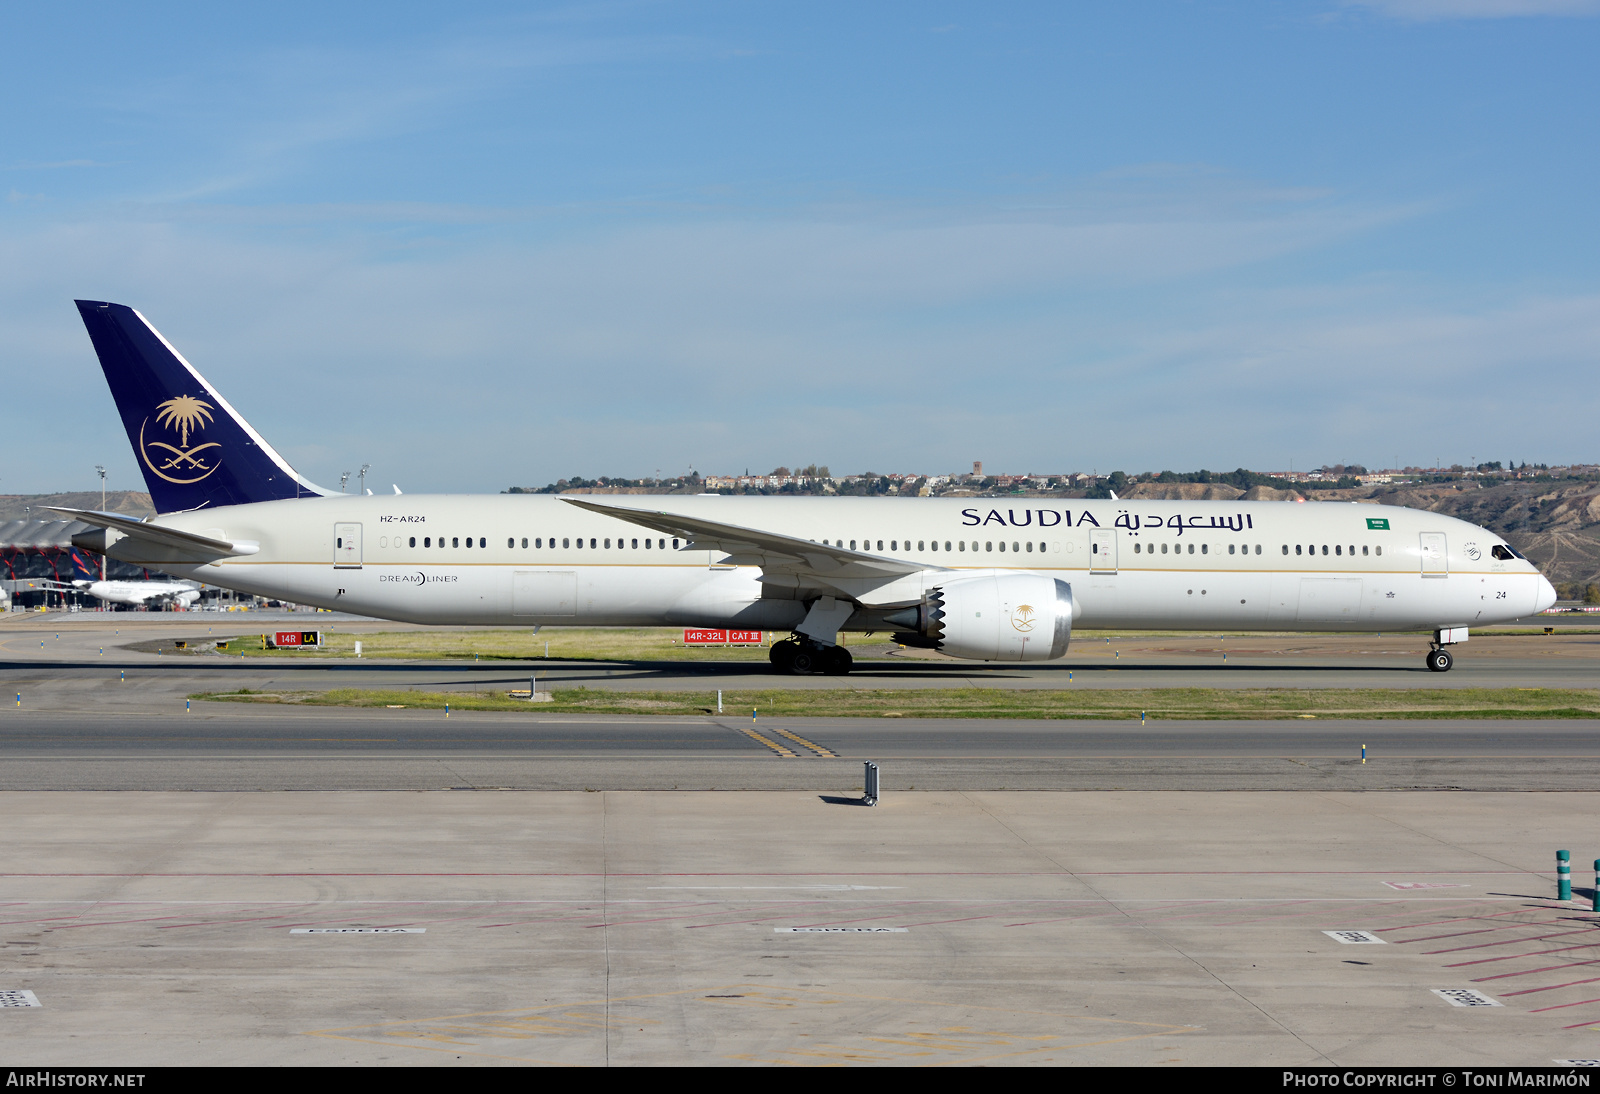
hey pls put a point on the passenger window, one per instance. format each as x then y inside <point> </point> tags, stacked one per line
<point>1002,546</point>
<point>635,545</point>
<point>1205,548</point>
<point>1163,548</point>
<point>1135,548</point>
<point>1324,548</point>
<point>1285,548</point>
<point>880,545</point>
<point>961,545</point>
<point>646,545</point>
<point>580,543</point>
<point>1191,548</point>
<point>1030,547</point>
<point>413,541</point>
<point>662,544</point>
<point>1336,550</point>
<point>946,545</point>
<point>1296,549</point>
<point>608,545</point>
<point>1377,550</point>
<point>513,543</point>
<point>1364,550</point>
<point>427,541</point>
<point>989,546</point>
<point>1230,548</point>
<point>563,543</point>
<point>674,545</point>
<point>894,545</point>
<point>455,541</point>
<point>920,547</point>
<point>539,543</point>
<point>1258,549</point>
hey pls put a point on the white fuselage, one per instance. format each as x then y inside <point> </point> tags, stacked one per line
<point>536,560</point>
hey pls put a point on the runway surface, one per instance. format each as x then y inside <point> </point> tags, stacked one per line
<point>95,715</point>
<point>445,906</point>
<point>783,929</point>
<point>225,747</point>
<point>53,658</point>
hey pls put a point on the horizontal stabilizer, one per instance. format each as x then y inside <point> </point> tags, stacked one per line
<point>155,533</point>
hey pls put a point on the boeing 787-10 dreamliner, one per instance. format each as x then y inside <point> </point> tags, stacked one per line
<point>981,578</point>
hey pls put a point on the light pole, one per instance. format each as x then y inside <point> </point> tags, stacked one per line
<point>102,471</point>
<point>364,478</point>
<point>344,478</point>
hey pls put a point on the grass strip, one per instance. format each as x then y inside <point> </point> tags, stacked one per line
<point>1154,703</point>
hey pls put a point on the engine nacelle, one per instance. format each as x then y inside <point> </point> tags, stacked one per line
<point>997,617</point>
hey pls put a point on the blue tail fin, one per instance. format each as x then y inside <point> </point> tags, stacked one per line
<point>193,448</point>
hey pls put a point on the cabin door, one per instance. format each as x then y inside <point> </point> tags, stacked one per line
<point>1435,559</point>
<point>347,546</point>
<point>1103,551</point>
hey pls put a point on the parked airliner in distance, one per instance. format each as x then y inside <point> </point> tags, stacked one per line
<point>980,578</point>
<point>141,594</point>
<point>138,594</point>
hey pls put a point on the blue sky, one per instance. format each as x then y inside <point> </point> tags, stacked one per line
<point>477,245</point>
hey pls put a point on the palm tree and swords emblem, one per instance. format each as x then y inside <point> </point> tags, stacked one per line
<point>184,414</point>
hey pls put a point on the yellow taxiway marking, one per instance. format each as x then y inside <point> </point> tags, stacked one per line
<point>818,749</point>
<point>774,745</point>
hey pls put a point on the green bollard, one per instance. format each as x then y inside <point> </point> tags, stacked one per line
<point>1563,875</point>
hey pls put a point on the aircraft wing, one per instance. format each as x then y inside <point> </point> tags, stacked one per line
<point>155,533</point>
<point>784,560</point>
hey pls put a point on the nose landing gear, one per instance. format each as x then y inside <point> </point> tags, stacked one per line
<point>1439,659</point>
<point>799,657</point>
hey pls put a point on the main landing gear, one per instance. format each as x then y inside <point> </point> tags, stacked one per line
<point>801,657</point>
<point>1439,659</point>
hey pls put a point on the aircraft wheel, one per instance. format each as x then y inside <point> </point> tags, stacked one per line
<point>1440,660</point>
<point>837,661</point>
<point>782,654</point>
<point>804,661</point>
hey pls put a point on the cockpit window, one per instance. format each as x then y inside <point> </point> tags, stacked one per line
<point>1504,553</point>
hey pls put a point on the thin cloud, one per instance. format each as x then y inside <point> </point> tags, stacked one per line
<point>1429,11</point>
<point>63,163</point>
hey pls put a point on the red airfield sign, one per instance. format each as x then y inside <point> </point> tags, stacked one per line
<point>721,638</point>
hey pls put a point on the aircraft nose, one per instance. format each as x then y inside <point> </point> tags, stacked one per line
<point>1545,597</point>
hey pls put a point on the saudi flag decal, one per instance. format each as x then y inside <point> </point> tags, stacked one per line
<point>1377,524</point>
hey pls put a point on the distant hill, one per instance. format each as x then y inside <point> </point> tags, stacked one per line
<point>134,503</point>
<point>1205,491</point>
